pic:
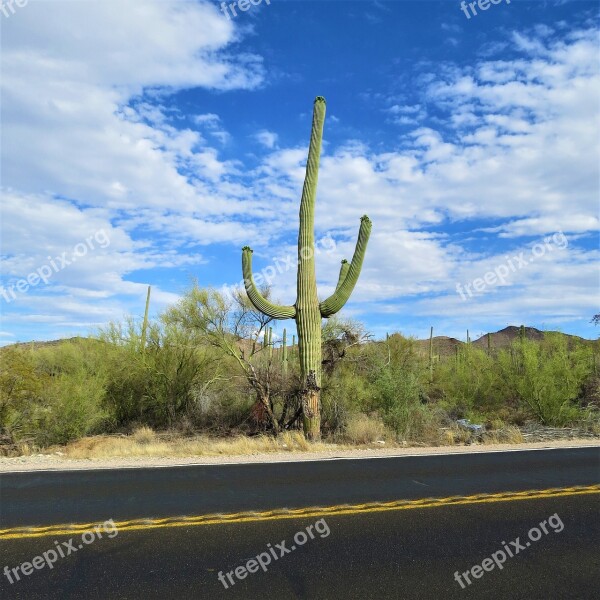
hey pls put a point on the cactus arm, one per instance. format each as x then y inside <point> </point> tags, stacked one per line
<point>336,301</point>
<point>343,272</point>
<point>275,311</point>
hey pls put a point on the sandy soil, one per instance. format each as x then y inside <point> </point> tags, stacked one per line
<point>52,462</point>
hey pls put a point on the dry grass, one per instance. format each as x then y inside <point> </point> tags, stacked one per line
<point>506,435</point>
<point>145,442</point>
<point>144,435</point>
<point>362,429</point>
<point>450,436</point>
<point>24,449</point>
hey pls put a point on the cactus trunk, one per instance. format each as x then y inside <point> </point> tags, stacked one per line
<point>308,314</point>
<point>431,355</point>
<point>307,311</point>
<point>145,322</point>
<point>284,352</point>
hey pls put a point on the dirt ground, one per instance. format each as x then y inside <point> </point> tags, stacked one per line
<point>54,462</point>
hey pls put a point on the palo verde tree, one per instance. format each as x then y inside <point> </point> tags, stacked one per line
<point>307,310</point>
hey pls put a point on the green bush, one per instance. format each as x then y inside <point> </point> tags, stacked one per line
<point>159,384</point>
<point>467,383</point>
<point>398,373</point>
<point>546,377</point>
<point>71,408</point>
<point>51,395</point>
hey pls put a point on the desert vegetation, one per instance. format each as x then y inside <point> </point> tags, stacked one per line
<point>214,367</point>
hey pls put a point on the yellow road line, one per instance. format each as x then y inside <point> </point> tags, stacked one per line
<point>250,516</point>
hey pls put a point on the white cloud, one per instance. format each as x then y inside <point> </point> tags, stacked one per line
<point>88,145</point>
<point>71,72</point>
<point>212,123</point>
<point>267,138</point>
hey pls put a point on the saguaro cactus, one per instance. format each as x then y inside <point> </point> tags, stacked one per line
<point>431,355</point>
<point>307,310</point>
<point>284,358</point>
<point>145,322</point>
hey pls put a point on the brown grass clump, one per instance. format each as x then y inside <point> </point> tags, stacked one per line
<point>506,435</point>
<point>144,435</point>
<point>363,429</point>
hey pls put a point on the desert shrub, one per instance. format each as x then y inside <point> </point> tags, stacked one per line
<point>20,390</point>
<point>397,373</point>
<point>160,383</point>
<point>52,395</point>
<point>223,406</point>
<point>546,377</point>
<point>72,407</point>
<point>467,383</point>
<point>74,399</point>
<point>335,413</point>
<point>345,392</point>
<point>365,429</point>
<point>590,391</point>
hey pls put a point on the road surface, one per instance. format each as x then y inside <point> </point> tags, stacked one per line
<point>376,534</point>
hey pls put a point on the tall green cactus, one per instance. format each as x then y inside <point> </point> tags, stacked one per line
<point>307,310</point>
<point>284,358</point>
<point>431,355</point>
<point>145,322</point>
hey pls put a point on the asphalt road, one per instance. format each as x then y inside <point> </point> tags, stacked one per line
<point>45,498</point>
<point>395,554</point>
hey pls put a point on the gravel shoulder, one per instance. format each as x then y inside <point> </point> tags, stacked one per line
<point>53,462</point>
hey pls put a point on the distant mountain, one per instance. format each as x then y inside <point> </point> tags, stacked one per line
<point>505,337</point>
<point>443,345</point>
<point>36,345</point>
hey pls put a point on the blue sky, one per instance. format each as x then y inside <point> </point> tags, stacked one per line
<point>150,141</point>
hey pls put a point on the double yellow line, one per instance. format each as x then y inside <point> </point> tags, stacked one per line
<point>272,515</point>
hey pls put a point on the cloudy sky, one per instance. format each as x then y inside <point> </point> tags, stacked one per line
<point>144,143</point>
